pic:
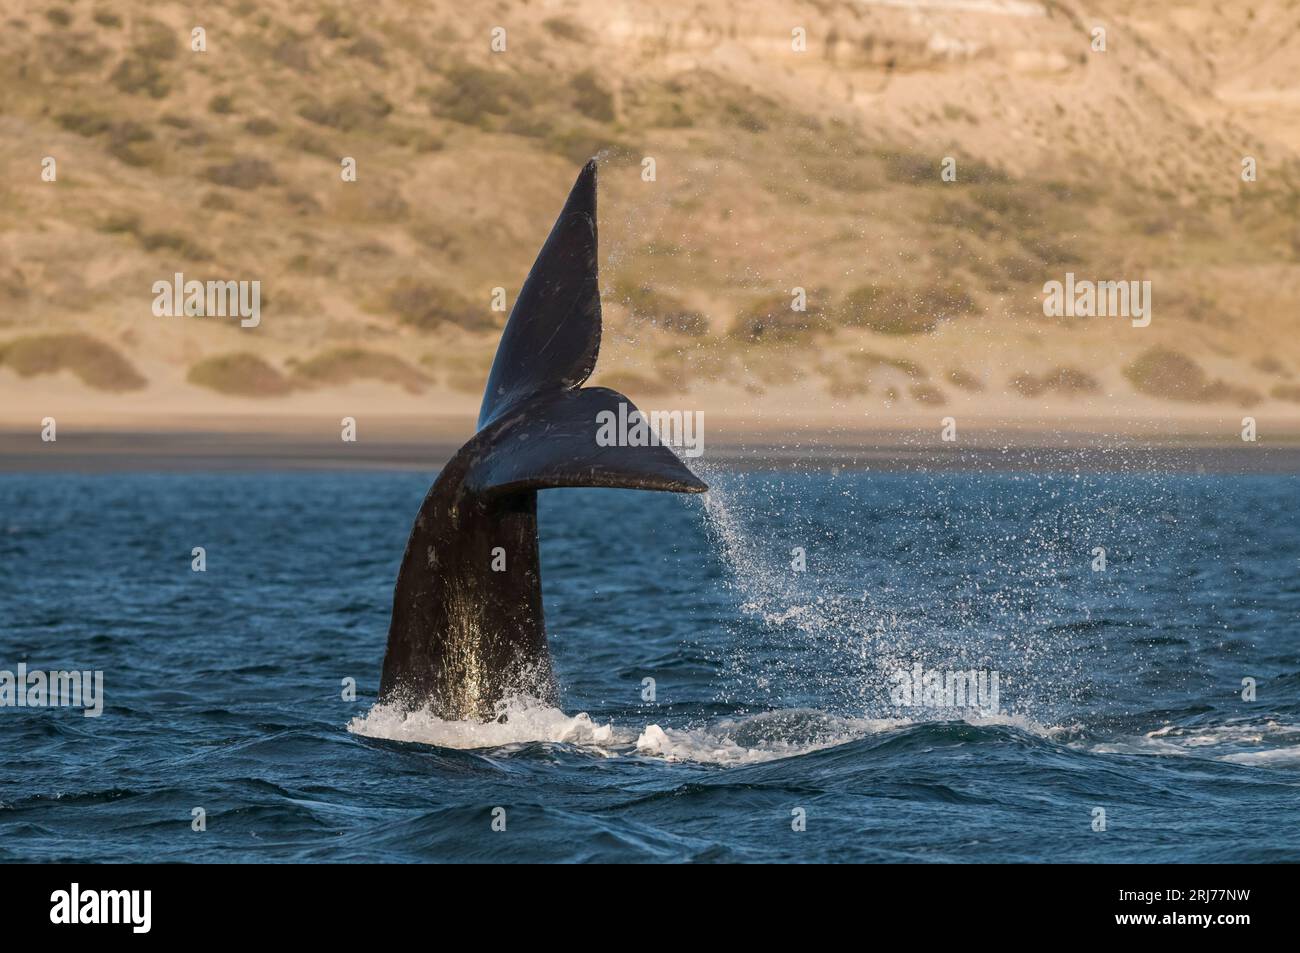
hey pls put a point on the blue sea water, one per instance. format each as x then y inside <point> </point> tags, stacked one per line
<point>1120,689</point>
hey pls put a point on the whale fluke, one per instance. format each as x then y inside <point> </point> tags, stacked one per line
<point>552,338</point>
<point>554,446</point>
<point>467,629</point>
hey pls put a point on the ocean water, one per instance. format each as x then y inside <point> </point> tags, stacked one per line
<point>777,699</point>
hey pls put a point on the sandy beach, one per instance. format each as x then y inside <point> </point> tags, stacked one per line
<point>224,443</point>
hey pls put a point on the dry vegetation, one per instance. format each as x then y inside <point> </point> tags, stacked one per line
<point>94,362</point>
<point>1162,372</point>
<point>239,375</point>
<point>775,171</point>
<point>343,365</point>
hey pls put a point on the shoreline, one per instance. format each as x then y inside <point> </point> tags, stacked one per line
<point>426,443</point>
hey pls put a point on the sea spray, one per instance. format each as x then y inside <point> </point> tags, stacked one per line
<point>805,637</point>
<point>965,581</point>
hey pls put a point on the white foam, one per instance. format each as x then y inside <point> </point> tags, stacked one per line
<point>726,742</point>
<point>788,733</point>
<point>1267,756</point>
<point>749,739</point>
<point>1257,743</point>
<point>524,721</point>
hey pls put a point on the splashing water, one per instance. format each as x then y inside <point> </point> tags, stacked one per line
<point>865,578</point>
<point>751,739</point>
<point>518,721</point>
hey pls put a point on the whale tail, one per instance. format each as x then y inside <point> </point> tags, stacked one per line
<point>547,351</point>
<point>467,629</point>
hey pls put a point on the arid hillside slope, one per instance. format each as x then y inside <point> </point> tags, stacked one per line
<point>798,152</point>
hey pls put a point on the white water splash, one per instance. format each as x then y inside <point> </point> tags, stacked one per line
<point>744,740</point>
<point>854,640</point>
<point>1235,742</point>
<point>750,739</point>
<point>519,721</point>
